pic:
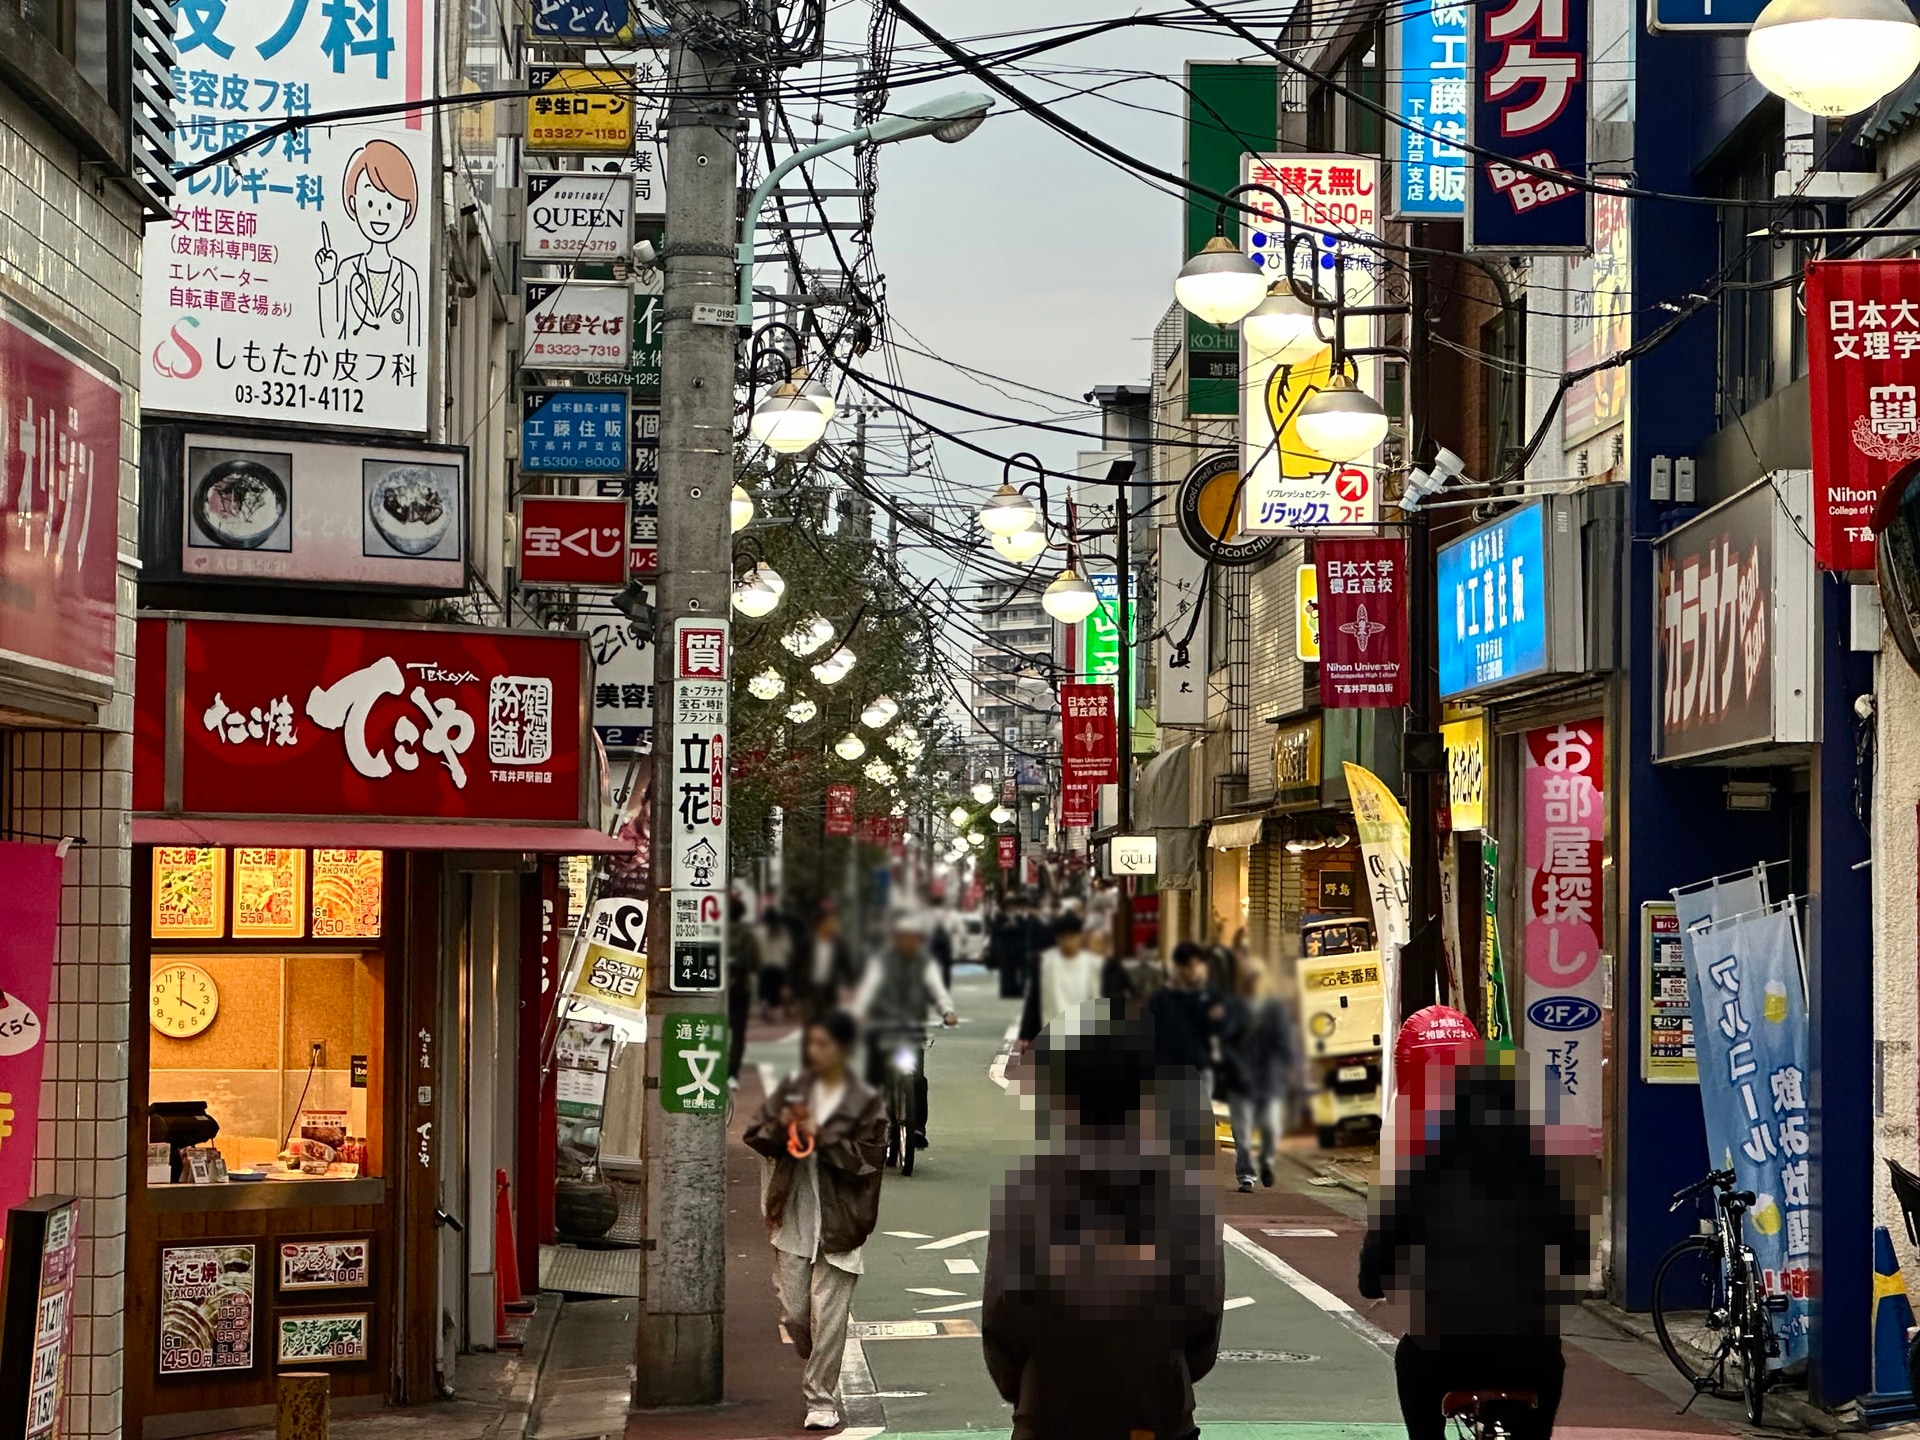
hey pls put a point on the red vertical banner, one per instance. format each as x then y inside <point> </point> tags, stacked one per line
<point>1076,807</point>
<point>1863,378</point>
<point>1009,848</point>
<point>1363,623</point>
<point>29,924</point>
<point>840,805</point>
<point>1089,735</point>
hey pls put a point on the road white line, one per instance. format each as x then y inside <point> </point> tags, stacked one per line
<point>963,1238</point>
<point>997,1071</point>
<point>1300,1234</point>
<point>933,1290</point>
<point>949,1309</point>
<point>1309,1290</point>
<point>963,1267</point>
<point>915,1234</point>
<point>1239,1302</point>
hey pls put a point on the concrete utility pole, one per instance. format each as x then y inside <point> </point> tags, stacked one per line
<point>680,1356</point>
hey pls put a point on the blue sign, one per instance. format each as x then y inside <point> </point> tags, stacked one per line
<point>1530,105</point>
<point>580,19</point>
<point>573,432</point>
<point>1564,1014</point>
<point>1427,87</point>
<point>1703,14</point>
<point>1492,609</point>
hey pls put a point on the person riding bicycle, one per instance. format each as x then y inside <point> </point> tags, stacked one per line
<point>901,987</point>
<point>1482,1233</point>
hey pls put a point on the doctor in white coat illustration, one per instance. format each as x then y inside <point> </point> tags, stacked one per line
<point>373,294</point>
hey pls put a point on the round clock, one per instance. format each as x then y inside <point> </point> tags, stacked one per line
<point>184,1000</point>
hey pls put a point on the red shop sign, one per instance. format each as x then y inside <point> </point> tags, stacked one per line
<point>1863,355</point>
<point>317,720</point>
<point>1089,738</point>
<point>1363,623</point>
<point>59,507</point>
<point>576,541</point>
<point>840,805</point>
<point>1008,847</point>
<point>1076,806</point>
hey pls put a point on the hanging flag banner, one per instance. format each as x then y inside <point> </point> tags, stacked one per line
<point>1529,104</point>
<point>1561,926</point>
<point>840,809</point>
<point>1750,1030</point>
<point>1335,200</point>
<point>29,917</point>
<point>296,284</point>
<point>1089,736</point>
<point>1498,1020</point>
<point>1863,333</point>
<point>1386,845</point>
<point>1076,806</point>
<point>1007,848</point>
<point>1427,88</point>
<point>1363,623</point>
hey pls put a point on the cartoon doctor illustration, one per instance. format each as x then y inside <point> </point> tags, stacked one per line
<point>374,292</point>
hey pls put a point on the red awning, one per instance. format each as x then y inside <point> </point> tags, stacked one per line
<point>375,835</point>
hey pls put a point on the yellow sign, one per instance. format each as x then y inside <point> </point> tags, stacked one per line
<point>189,893</point>
<point>269,894</point>
<point>346,894</point>
<point>1306,614</point>
<point>1342,1004</point>
<point>580,108</point>
<point>1296,764</point>
<point>613,979</point>
<point>1467,772</point>
<point>1385,843</point>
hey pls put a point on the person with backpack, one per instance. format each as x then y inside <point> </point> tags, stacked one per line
<point>1256,1057</point>
<point>1105,1280</point>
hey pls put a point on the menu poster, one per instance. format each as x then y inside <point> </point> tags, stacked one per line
<point>269,899</point>
<point>583,1056</point>
<point>1668,1057</point>
<point>206,1308</point>
<point>346,894</point>
<point>189,893</point>
<point>316,1339</point>
<point>53,1327</point>
<point>326,1264</point>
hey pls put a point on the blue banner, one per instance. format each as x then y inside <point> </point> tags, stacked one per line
<point>573,432</point>
<point>1427,87</point>
<point>580,19</point>
<point>1750,1033</point>
<point>1492,596</point>
<point>1530,105</point>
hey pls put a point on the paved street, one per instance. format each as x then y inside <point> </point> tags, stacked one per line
<point>1304,1358</point>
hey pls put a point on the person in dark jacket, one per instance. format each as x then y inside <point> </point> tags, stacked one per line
<point>823,1136</point>
<point>743,974</point>
<point>1106,1278</point>
<point>940,946</point>
<point>1009,947</point>
<point>824,969</point>
<point>1184,1019</point>
<point>1484,1235</point>
<point>1256,1057</point>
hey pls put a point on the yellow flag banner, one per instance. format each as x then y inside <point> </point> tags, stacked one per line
<point>1386,843</point>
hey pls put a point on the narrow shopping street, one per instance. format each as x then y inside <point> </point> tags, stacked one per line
<point>1302,1356</point>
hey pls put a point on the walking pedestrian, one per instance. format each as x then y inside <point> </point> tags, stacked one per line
<point>1068,975</point>
<point>831,972</point>
<point>1485,1237</point>
<point>743,970</point>
<point>1185,1019</point>
<point>823,1141</point>
<point>1008,947</point>
<point>940,946</point>
<point>1106,1278</point>
<point>1257,1059</point>
<point>776,955</point>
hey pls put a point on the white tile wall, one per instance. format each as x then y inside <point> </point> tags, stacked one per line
<point>70,250</point>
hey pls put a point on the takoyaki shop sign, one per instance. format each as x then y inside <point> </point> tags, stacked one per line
<point>297,719</point>
<point>255,508</point>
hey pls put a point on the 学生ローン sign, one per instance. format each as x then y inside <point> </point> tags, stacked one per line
<point>584,109</point>
<point>295,283</point>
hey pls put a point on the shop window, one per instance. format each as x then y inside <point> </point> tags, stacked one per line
<point>266,1012</point>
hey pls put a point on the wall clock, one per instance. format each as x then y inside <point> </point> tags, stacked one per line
<point>184,1000</point>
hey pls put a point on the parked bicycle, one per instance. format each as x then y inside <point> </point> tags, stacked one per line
<point>1488,1414</point>
<point>1710,1307</point>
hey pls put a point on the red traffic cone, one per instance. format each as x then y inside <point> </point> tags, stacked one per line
<point>506,1267</point>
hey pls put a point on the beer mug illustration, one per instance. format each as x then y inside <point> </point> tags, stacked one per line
<point>1776,1003</point>
<point>1766,1214</point>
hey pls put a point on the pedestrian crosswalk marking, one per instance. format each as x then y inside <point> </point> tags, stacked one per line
<point>933,1290</point>
<point>1239,1302</point>
<point>962,1267</point>
<point>949,1309</point>
<point>906,1235</point>
<point>964,1237</point>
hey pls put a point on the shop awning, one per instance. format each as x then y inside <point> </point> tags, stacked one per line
<point>377,835</point>
<point>1161,800</point>
<point>1234,834</point>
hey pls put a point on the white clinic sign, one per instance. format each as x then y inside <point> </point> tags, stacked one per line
<point>1334,202</point>
<point>294,282</point>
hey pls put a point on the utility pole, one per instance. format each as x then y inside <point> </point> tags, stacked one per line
<point>679,1358</point>
<point>1420,752</point>
<point>1120,476</point>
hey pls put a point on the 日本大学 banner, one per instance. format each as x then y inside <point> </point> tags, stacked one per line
<point>1751,1039</point>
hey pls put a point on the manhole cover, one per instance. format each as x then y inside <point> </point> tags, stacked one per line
<point>1266,1357</point>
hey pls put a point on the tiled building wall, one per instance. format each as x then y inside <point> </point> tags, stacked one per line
<point>70,252</point>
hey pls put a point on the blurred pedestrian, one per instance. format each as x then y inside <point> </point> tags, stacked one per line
<point>940,946</point>
<point>823,1138</point>
<point>831,972</point>
<point>1185,1018</point>
<point>900,989</point>
<point>776,953</point>
<point>1008,947</point>
<point>1484,1236</point>
<point>1068,975</point>
<point>1256,1051</point>
<point>743,972</point>
<point>1223,960</point>
<point>1106,1278</point>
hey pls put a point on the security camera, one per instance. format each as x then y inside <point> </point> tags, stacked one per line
<point>645,254</point>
